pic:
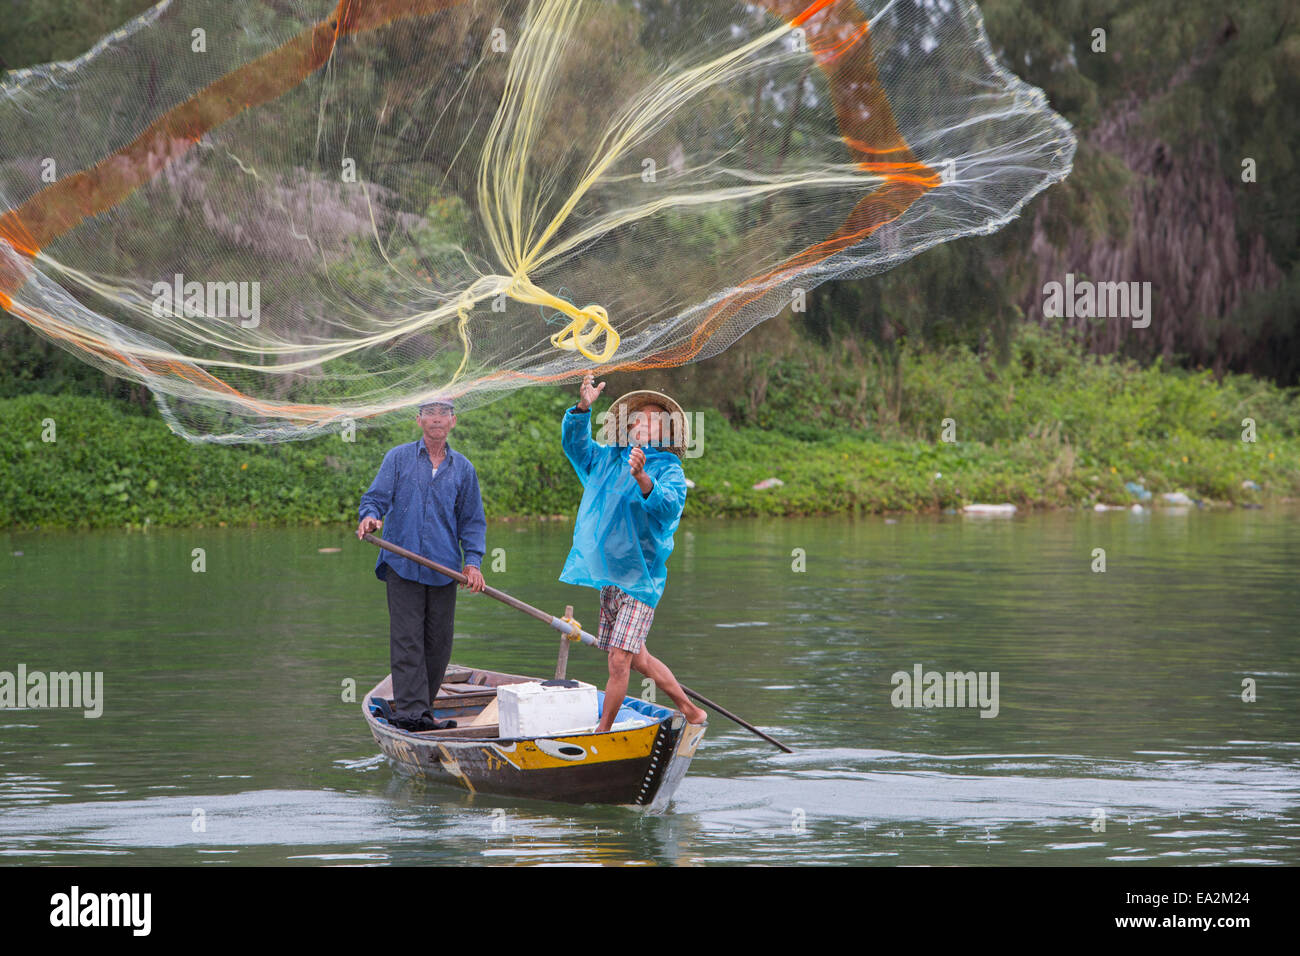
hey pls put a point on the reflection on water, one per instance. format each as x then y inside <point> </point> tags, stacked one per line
<point>1121,734</point>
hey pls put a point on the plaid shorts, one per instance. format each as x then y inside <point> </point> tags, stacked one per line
<point>624,621</point>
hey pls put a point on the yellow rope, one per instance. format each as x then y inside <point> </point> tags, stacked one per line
<point>573,337</point>
<point>575,632</point>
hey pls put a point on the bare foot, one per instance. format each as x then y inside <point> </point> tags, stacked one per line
<point>695,715</point>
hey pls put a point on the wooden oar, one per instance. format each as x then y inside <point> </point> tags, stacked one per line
<point>518,605</point>
<point>555,622</point>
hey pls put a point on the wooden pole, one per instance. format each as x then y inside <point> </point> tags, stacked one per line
<point>491,592</point>
<point>562,662</point>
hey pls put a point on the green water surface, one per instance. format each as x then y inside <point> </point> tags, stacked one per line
<point>225,735</point>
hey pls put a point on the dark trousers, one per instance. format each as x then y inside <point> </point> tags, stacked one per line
<point>420,621</point>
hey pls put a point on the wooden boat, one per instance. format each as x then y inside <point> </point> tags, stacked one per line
<point>639,762</point>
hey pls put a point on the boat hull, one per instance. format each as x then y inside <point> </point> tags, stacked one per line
<point>639,767</point>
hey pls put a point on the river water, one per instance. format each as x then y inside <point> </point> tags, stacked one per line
<point>1120,734</point>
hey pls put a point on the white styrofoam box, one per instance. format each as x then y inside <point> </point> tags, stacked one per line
<point>531,710</point>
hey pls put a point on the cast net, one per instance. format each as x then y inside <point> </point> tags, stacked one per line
<point>287,215</point>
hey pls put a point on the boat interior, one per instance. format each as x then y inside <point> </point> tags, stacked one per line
<point>469,697</point>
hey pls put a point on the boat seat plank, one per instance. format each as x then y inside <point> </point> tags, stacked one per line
<point>462,702</point>
<point>483,730</point>
<point>462,688</point>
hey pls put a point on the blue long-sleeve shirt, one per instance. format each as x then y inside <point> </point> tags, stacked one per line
<point>437,516</point>
<point>621,537</point>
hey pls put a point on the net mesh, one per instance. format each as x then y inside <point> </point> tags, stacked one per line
<point>289,215</point>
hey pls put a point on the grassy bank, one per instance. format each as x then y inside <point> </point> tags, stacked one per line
<point>1051,428</point>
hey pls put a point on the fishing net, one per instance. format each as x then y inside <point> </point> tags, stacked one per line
<point>287,215</point>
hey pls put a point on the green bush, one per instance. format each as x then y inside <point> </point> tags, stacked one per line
<point>1051,427</point>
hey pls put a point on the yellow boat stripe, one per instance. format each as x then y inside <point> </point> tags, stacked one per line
<point>624,745</point>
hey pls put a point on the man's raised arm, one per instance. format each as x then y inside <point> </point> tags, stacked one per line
<point>575,431</point>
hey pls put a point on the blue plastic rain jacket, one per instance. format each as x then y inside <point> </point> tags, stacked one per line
<point>621,537</point>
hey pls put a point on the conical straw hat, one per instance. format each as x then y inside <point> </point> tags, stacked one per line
<point>674,440</point>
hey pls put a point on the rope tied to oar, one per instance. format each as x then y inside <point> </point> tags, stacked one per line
<point>574,633</point>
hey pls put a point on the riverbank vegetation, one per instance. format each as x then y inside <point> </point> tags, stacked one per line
<point>1050,427</point>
